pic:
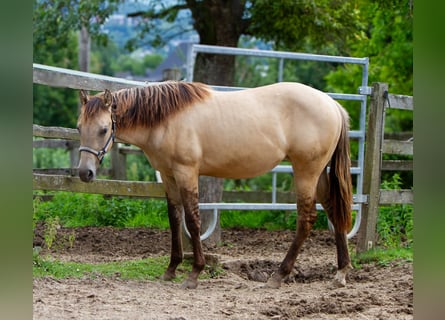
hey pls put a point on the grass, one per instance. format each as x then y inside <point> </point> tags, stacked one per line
<point>147,269</point>
<point>143,269</point>
<point>383,257</point>
<point>80,210</point>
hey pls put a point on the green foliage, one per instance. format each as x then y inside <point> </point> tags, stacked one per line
<point>395,222</point>
<point>77,210</point>
<point>50,158</point>
<point>55,106</point>
<point>383,257</point>
<point>51,226</point>
<point>264,182</point>
<point>139,169</point>
<point>136,66</point>
<point>56,19</point>
<point>269,220</point>
<point>111,59</point>
<point>145,269</point>
<point>289,24</point>
<point>386,37</point>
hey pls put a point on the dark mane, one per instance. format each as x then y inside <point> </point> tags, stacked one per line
<point>148,106</point>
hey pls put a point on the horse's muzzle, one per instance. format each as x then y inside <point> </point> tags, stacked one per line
<point>86,174</point>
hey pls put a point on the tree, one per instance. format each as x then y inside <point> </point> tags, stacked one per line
<point>288,24</point>
<point>56,24</point>
<point>56,106</point>
<point>386,37</point>
<point>56,19</point>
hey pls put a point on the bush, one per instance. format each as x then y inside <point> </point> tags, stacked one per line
<point>395,222</point>
<point>78,210</point>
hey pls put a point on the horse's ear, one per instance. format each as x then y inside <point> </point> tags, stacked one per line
<point>83,96</point>
<point>108,98</point>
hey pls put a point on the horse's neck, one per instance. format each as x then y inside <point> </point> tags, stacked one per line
<point>137,137</point>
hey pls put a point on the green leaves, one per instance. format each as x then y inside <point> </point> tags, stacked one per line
<point>290,23</point>
<point>58,18</point>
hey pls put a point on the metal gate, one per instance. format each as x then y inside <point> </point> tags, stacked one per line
<point>359,135</point>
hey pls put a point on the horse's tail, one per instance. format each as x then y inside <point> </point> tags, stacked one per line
<point>340,182</point>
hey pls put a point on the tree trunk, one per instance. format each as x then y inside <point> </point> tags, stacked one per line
<point>84,53</point>
<point>218,23</point>
<point>84,49</point>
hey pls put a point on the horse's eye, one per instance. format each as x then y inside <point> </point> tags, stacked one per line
<point>103,131</point>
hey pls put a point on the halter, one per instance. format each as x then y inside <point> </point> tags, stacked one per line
<point>102,152</point>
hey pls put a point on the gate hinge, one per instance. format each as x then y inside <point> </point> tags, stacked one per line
<point>365,90</point>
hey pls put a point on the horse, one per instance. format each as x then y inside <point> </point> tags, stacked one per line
<point>189,129</point>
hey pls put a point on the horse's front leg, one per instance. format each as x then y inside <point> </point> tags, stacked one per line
<point>176,256</point>
<point>192,220</point>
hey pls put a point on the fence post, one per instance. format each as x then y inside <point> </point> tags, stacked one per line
<point>73,148</point>
<point>118,164</point>
<point>372,167</point>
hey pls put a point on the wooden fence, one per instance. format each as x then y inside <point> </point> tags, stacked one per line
<point>376,146</point>
<point>57,179</point>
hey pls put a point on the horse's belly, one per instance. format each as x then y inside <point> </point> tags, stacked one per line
<point>240,167</point>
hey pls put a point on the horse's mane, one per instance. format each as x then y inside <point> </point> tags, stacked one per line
<point>149,106</point>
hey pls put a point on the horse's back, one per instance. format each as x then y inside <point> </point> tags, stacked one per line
<point>245,133</point>
<point>293,109</point>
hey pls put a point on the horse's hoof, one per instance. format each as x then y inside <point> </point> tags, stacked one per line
<point>274,282</point>
<point>189,284</point>
<point>167,276</point>
<point>338,283</point>
<point>340,277</point>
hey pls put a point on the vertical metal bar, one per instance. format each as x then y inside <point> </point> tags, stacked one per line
<point>274,187</point>
<point>361,150</point>
<point>191,55</point>
<point>280,69</point>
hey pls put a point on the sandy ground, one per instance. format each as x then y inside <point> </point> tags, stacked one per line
<point>248,257</point>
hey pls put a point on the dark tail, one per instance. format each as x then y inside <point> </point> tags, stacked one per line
<point>340,182</point>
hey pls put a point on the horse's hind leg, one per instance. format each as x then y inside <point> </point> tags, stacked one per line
<point>305,188</point>
<point>341,242</point>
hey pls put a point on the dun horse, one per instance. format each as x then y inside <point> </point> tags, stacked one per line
<point>188,129</point>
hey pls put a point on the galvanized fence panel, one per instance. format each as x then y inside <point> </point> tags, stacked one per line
<point>362,94</point>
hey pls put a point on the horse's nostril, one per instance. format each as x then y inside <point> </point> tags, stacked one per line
<point>86,175</point>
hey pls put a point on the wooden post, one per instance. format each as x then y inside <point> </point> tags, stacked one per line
<point>118,164</point>
<point>372,168</point>
<point>73,148</point>
<point>171,74</point>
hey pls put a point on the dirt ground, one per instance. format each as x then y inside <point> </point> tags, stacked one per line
<point>248,257</point>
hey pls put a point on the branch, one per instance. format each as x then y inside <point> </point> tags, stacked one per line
<point>173,10</point>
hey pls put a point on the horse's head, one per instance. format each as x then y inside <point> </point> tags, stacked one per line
<point>96,126</point>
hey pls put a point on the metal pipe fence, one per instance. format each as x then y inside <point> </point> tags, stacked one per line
<point>362,94</point>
